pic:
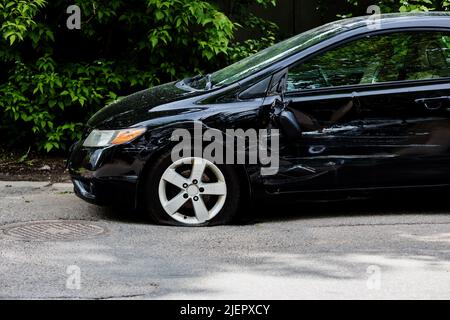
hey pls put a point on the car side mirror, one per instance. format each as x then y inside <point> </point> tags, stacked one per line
<point>289,124</point>
<point>285,119</point>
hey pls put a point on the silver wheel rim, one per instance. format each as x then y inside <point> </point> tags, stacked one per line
<point>192,191</point>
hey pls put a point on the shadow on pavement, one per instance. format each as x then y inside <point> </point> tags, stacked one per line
<point>395,203</point>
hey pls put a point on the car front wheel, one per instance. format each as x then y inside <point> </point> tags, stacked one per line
<point>192,192</point>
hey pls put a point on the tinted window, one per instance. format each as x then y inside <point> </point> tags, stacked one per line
<point>376,59</point>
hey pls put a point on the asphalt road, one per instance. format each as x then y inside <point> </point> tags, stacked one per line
<point>357,250</point>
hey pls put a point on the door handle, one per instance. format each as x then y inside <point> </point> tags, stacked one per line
<point>433,103</point>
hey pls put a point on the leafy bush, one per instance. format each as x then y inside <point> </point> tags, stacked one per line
<point>54,78</point>
<point>249,21</point>
<point>359,7</point>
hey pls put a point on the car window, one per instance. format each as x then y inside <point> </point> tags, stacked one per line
<point>376,59</point>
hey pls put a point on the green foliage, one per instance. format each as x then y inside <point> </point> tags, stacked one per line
<point>17,18</point>
<point>267,30</point>
<point>388,6</point>
<point>241,50</point>
<point>359,7</point>
<point>53,79</point>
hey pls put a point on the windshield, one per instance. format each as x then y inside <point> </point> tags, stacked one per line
<point>275,53</point>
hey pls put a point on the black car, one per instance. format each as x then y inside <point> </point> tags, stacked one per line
<point>358,106</point>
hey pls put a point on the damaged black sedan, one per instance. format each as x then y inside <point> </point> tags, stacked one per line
<point>355,107</point>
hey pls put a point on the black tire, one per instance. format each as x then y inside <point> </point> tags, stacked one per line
<point>156,212</point>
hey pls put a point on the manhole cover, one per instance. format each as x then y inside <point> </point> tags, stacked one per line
<point>63,230</point>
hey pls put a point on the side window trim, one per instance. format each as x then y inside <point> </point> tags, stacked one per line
<point>368,87</point>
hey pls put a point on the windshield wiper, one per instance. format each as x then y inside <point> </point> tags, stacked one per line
<point>194,81</point>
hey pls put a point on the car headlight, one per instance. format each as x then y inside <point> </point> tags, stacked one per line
<point>104,138</point>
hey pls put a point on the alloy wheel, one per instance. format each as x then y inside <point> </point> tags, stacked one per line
<point>192,190</point>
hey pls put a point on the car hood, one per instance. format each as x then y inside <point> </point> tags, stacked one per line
<point>135,108</point>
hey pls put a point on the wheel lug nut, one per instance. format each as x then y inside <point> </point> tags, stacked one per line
<point>201,189</point>
<point>185,185</point>
<point>195,198</point>
<point>195,182</point>
<point>185,196</point>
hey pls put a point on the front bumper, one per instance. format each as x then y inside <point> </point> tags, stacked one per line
<point>106,176</point>
<point>106,193</point>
